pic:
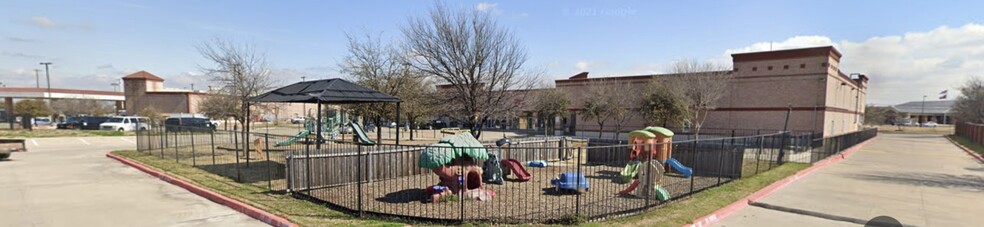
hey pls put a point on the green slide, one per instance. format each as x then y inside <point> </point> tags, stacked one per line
<point>363,137</point>
<point>661,193</point>
<point>294,139</point>
<point>630,171</point>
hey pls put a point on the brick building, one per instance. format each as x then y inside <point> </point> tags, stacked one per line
<point>145,90</point>
<point>765,84</point>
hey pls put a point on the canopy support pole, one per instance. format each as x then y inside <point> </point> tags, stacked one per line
<point>317,146</point>
<point>398,123</point>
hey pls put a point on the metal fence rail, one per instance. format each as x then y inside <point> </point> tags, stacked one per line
<point>385,179</point>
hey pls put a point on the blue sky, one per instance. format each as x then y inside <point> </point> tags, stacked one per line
<point>93,43</point>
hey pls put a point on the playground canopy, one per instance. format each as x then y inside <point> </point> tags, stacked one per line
<point>327,91</point>
<point>333,91</point>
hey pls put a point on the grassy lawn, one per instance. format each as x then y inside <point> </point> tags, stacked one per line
<point>311,214</point>
<point>37,133</point>
<point>969,144</point>
<point>301,212</point>
<point>682,212</point>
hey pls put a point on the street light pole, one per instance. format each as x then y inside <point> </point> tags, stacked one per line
<point>37,77</point>
<point>47,75</point>
<point>922,113</point>
<point>115,86</point>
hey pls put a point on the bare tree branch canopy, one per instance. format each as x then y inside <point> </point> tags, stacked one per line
<point>663,104</point>
<point>701,84</point>
<point>625,104</point>
<point>238,69</point>
<point>478,59</point>
<point>595,105</point>
<point>550,103</point>
<point>81,107</point>
<point>970,105</point>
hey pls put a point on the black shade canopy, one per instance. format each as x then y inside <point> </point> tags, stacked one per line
<point>334,91</point>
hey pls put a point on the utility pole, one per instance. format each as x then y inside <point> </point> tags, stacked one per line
<point>37,77</point>
<point>192,86</point>
<point>47,75</point>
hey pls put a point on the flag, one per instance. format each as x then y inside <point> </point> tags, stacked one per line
<point>943,94</point>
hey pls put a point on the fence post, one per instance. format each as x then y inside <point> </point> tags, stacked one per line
<point>211,141</point>
<point>358,174</point>
<point>266,150</point>
<point>239,176</point>
<point>193,156</point>
<point>162,138</point>
<point>307,166</point>
<point>693,158</point>
<point>577,199</point>
<point>176,147</point>
<point>721,160</point>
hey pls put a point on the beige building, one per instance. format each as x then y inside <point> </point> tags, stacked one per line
<point>822,98</point>
<point>144,90</point>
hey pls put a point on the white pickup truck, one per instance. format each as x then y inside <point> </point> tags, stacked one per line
<point>129,123</point>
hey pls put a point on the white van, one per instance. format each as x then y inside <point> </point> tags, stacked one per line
<point>121,124</point>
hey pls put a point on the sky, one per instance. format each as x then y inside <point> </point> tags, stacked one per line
<point>907,48</point>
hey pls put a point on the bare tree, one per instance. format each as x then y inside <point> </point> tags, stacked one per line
<point>238,69</point>
<point>80,107</point>
<point>550,103</point>
<point>969,107</point>
<point>596,103</point>
<point>663,104</point>
<point>701,85</point>
<point>220,106</point>
<point>386,69</point>
<point>478,59</point>
<point>624,104</point>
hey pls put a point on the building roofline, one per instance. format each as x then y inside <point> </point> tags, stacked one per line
<point>787,54</point>
<point>60,90</point>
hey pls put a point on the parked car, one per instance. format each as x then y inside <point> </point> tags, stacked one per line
<point>42,121</point>
<point>929,124</point>
<point>297,120</point>
<point>128,123</point>
<point>196,124</point>
<point>88,123</point>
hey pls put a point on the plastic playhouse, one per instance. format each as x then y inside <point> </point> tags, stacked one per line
<point>455,160</point>
<point>650,149</point>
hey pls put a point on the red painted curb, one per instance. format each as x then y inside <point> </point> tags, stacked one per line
<point>241,207</point>
<point>966,150</point>
<point>736,206</point>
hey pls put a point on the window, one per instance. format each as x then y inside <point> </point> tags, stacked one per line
<point>755,68</point>
<point>823,64</point>
<point>802,66</point>
<point>770,67</point>
<point>785,67</point>
<point>736,69</point>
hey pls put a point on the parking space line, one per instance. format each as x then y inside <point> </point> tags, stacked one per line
<point>83,141</point>
<point>127,140</point>
<point>35,142</point>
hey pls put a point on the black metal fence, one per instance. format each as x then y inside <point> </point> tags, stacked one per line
<point>386,180</point>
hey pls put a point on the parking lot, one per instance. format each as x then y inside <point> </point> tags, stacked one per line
<point>68,181</point>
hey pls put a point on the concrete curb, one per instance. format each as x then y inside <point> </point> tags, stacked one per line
<point>240,207</point>
<point>742,203</point>
<point>966,149</point>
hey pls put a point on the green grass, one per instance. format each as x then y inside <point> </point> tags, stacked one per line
<point>301,212</point>
<point>682,212</point>
<point>969,144</point>
<point>306,213</point>
<point>39,133</point>
<point>939,130</point>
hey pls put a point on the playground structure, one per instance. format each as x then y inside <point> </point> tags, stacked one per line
<point>455,161</point>
<point>333,120</point>
<point>650,148</point>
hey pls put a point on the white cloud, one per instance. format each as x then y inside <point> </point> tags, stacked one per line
<point>486,7</point>
<point>582,66</point>
<point>44,22</point>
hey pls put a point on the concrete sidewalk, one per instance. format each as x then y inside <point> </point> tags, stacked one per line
<point>70,182</point>
<point>920,180</point>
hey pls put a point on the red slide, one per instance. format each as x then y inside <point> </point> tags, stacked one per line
<point>517,168</point>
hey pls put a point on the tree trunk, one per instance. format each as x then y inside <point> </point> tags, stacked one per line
<point>601,129</point>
